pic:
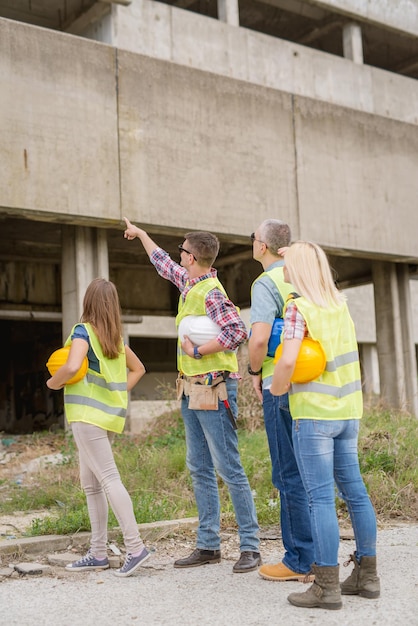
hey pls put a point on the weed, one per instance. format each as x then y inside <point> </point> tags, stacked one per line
<point>153,469</point>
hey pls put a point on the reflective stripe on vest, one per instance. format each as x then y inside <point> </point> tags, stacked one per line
<point>99,399</point>
<point>194,304</point>
<point>337,393</point>
<point>276,275</point>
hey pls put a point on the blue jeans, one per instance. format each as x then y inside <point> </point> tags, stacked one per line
<point>326,451</point>
<point>212,446</point>
<point>294,510</point>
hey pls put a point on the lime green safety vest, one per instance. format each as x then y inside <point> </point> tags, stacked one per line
<point>276,275</point>
<point>194,304</point>
<point>99,399</point>
<point>336,394</point>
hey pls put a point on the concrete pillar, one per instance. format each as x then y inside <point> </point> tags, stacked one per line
<point>408,341</point>
<point>84,257</point>
<point>228,12</point>
<point>370,368</point>
<point>395,347</point>
<point>352,43</point>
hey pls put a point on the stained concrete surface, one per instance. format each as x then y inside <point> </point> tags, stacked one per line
<point>160,595</point>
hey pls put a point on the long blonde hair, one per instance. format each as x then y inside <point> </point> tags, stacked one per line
<point>310,274</point>
<point>101,308</point>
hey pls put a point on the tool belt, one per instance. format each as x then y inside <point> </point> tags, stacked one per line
<point>203,391</point>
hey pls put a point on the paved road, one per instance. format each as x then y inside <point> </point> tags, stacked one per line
<point>160,595</point>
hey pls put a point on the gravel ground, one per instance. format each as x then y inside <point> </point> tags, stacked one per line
<point>158,594</point>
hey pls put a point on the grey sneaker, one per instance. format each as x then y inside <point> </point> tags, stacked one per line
<point>88,562</point>
<point>131,564</point>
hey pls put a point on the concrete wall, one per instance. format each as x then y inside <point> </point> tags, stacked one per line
<point>172,34</point>
<point>58,111</point>
<point>115,132</point>
<point>185,159</point>
<point>355,176</point>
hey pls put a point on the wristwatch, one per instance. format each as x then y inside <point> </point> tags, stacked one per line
<point>250,371</point>
<point>196,353</point>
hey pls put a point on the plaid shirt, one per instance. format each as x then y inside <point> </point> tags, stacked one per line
<point>219,308</point>
<point>294,323</point>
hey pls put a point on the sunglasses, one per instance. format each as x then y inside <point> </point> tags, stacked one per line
<point>181,249</point>
<point>252,237</point>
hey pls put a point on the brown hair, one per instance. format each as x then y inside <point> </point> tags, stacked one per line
<point>101,308</point>
<point>204,247</point>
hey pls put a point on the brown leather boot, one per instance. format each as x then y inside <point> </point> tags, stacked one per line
<point>363,580</point>
<point>325,593</point>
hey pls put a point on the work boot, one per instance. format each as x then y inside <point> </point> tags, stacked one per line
<point>325,592</point>
<point>282,573</point>
<point>248,562</point>
<point>199,557</point>
<point>363,580</point>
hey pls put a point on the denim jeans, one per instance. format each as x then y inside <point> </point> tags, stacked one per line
<point>294,510</point>
<point>212,446</point>
<point>326,451</point>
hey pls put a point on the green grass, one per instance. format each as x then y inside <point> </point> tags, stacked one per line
<point>154,471</point>
<point>388,445</point>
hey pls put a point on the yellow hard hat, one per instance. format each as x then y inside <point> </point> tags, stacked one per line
<point>310,363</point>
<point>57,360</point>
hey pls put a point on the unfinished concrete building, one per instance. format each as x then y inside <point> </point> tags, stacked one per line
<point>189,115</point>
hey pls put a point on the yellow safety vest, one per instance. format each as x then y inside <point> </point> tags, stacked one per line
<point>276,275</point>
<point>194,304</point>
<point>337,393</point>
<point>99,398</point>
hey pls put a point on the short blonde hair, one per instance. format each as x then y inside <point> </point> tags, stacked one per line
<point>310,274</point>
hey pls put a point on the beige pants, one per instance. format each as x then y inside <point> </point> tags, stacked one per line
<point>101,482</point>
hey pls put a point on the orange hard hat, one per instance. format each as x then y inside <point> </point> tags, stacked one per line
<point>310,363</point>
<point>57,360</point>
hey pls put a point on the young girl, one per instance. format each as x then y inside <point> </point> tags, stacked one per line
<point>95,407</point>
<point>326,414</point>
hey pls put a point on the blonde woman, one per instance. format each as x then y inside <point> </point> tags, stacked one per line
<point>95,407</point>
<point>326,414</point>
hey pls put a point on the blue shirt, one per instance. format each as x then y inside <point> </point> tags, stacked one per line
<point>266,299</point>
<point>80,332</point>
<point>266,304</point>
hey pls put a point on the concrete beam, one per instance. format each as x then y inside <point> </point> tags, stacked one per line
<point>408,66</point>
<point>300,7</point>
<point>400,16</point>
<point>153,326</point>
<point>33,316</point>
<point>313,34</point>
<point>89,17</point>
<point>52,316</point>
